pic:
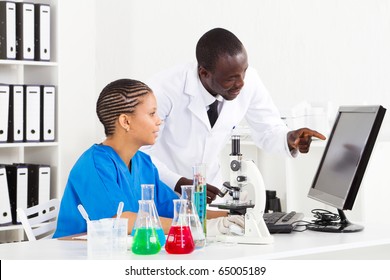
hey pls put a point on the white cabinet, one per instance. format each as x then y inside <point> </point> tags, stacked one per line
<point>23,72</point>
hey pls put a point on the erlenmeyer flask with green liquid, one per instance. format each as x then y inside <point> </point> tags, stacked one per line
<point>145,240</point>
<point>148,194</point>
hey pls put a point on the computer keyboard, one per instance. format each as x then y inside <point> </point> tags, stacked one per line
<point>282,222</point>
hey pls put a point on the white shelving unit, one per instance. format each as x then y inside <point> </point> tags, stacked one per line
<point>37,73</point>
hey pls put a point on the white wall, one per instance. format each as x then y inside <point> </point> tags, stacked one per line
<point>315,50</point>
<point>77,81</point>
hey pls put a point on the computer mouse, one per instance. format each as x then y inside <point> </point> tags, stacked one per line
<point>236,230</point>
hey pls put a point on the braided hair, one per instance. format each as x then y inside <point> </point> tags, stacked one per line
<point>119,97</point>
<point>215,43</point>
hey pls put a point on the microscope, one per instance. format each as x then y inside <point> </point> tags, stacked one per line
<point>244,175</point>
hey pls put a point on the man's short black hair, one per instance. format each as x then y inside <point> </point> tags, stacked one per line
<point>215,43</point>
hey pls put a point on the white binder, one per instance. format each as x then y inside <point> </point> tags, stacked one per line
<point>5,206</point>
<point>48,105</point>
<point>32,99</point>
<point>21,188</point>
<point>25,31</point>
<point>42,32</point>
<point>17,177</point>
<point>16,114</point>
<point>38,183</point>
<point>4,109</point>
<point>44,183</point>
<point>7,30</point>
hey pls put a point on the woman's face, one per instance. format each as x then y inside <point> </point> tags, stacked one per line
<point>145,121</point>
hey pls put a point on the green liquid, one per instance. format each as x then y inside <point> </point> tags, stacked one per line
<point>145,242</point>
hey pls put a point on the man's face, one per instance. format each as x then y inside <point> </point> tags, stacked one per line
<point>227,79</point>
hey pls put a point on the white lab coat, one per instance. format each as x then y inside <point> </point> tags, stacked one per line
<point>186,137</point>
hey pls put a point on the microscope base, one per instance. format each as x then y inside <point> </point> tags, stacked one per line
<point>256,231</point>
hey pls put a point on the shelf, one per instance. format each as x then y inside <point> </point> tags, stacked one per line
<point>28,144</point>
<point>10,227</point>
<point>27,62</point>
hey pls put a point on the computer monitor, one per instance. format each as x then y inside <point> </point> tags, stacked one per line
<point>343,163</point>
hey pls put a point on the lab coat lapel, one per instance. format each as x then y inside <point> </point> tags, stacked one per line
<point>225,115</point>
<point>196,103</point>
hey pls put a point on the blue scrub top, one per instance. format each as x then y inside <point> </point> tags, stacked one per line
<point>100,180</point>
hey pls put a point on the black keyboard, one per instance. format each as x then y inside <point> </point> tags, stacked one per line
<point>281,222</point>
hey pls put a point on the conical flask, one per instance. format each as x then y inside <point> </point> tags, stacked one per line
<point>148,194</point>
<point>145,240</point>
<point>179,240</point>
<point>187,193</point>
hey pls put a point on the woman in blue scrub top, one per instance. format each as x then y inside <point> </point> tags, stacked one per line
<point>113,171</point>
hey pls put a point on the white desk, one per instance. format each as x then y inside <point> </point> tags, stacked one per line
<point>372,243</point>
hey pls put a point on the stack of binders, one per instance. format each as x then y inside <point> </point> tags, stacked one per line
<point>28,185</point>
<point>27,113</point>
<point>24,31</point>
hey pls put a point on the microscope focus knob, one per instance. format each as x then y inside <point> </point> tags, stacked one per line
<point>241,178</point>
<point>235,165</point>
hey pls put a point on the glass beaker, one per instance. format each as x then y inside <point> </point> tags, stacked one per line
<point>200,194</point>
<point>145,240</point>
<point>179,240</point>
<point>187,193</point>
<point>148,194</point>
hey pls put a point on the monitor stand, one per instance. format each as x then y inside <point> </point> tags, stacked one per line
<point>343,225</point>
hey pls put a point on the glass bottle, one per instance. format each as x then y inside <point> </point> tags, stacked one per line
<point>148,194</point>
<point>179,240</point>
<point>145,240</point>
<point>187,193</point>
<point>200,193</point>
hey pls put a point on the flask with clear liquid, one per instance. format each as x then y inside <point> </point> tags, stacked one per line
<point>187,193</point>
<point>148,194</point>
<point>145,240</point>
<point>179,240</point>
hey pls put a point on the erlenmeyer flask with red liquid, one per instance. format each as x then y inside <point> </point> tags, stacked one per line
<point>179,240</point>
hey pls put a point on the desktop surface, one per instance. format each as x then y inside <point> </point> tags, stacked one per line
<point>371,243</point>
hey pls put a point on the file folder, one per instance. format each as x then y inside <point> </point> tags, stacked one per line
<point>31,110</point>
<point>47,118</point>
<point>16,114</point>
<point>4,108</point>
<point>38,183</point>
<point>25,31</point>
<point>5,206</point>
<point>17,177</point>
<point>7,30</point>
<point>44,174</point>
<point>42,32</point>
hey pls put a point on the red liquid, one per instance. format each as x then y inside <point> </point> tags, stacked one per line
<point>179,240</point>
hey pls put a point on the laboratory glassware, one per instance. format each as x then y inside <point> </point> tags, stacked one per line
<point>145,240</point>
<point>199,182</point>
<point>148,194</point>
<point>187,193</point>
<point>179,240</point>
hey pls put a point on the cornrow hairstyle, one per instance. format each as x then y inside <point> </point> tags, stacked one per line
<point>119,97</point>
<point>215,43</point>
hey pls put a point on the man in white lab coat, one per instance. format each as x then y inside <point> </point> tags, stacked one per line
<point>184,95</point>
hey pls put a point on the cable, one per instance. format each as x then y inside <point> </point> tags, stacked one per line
<point>300,223</point>
<point>324,217</point>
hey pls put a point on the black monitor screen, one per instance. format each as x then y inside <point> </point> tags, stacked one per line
<point>346,155</point>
